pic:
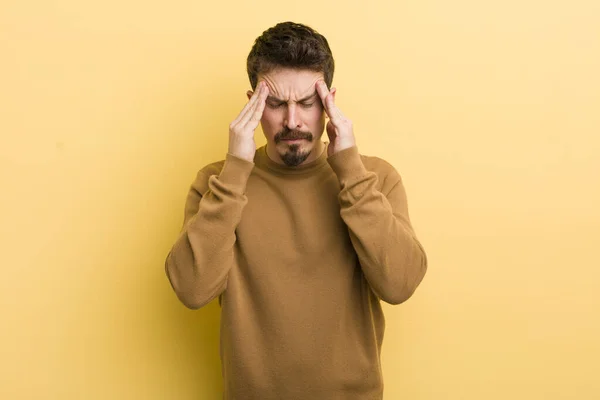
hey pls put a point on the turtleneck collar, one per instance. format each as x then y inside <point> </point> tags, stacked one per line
<point>262,160</point>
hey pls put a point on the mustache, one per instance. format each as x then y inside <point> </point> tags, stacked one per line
<point>292,134</point>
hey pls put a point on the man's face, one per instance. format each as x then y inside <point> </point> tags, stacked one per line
<point>293,119</point>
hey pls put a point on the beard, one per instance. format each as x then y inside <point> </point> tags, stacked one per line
<point>294,155</point>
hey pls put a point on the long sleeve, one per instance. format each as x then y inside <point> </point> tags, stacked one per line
<point>199,262</point>
<point>392,259</point>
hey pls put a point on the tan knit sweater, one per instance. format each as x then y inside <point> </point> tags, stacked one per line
<point>300,258</point>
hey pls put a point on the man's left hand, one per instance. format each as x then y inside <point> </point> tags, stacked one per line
<point>339,128</point>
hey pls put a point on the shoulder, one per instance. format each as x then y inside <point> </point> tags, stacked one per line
<point>387,175</point>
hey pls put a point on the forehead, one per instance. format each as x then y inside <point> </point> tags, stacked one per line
<point>291,82</point>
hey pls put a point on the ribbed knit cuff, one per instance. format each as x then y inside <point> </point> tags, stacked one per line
<point>236,172</point>
<point>347,164</point>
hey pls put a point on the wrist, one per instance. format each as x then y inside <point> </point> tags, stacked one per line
<point>244,154</point>
<point>236,171</point>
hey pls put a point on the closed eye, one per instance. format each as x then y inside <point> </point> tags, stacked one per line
<point>278,105</point>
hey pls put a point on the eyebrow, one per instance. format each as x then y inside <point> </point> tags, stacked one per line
<point>275,99</point>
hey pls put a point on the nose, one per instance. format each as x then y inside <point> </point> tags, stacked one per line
<point>292,120</point>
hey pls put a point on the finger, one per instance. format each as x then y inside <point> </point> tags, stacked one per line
<point>322,91</point>
<point>261,102</point>
<point>250,103</point>
<point>328,101</point>
<point>257,108</point>
<point>330,128</point>
<point>333,109</point>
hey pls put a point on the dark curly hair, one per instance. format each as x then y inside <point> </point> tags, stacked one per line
<point>290,45</point>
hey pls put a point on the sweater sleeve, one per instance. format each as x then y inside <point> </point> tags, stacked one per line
<point>199,262</point>
<point>392,259</point>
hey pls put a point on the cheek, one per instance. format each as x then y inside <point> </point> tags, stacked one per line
<point>269,115</point>
<point>316,116</point>
<point>269,121</point>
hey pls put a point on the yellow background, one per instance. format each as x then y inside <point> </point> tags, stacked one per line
<point>490,111</point>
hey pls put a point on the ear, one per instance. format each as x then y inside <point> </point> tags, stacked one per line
<point>249,93</point>
<point>333,92</point>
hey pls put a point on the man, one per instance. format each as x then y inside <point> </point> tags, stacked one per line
<point>301,240</point>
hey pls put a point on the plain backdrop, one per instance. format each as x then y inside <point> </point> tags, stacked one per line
<point>490,110</point>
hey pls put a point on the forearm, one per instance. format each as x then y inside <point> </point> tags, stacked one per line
<point>199,261</point>
<point>392,259</point>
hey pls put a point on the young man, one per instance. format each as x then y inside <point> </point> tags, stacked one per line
<point>301,240</point>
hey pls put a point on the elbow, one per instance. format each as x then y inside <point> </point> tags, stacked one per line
<point>192,299</point>
<point>198,299</point>
<point>399,290</point>
<point>191,302</point>
<point>395,297</point>
<point>188,296</point>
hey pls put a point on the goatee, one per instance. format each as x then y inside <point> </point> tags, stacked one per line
<point>293,156</point>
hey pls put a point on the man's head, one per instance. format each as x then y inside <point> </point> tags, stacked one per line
<point>290,58</point>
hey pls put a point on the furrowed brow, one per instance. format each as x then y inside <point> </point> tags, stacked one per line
<point>303,100</point>
<point>274,99</point>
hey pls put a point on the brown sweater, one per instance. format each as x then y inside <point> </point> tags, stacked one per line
<point>300,258</point>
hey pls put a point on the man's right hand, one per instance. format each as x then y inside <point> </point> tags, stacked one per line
<point>241,130</point>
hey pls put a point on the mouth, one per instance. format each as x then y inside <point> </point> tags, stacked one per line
<point>292,140</point>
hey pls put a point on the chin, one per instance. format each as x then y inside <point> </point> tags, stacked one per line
<point>294,155</point>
